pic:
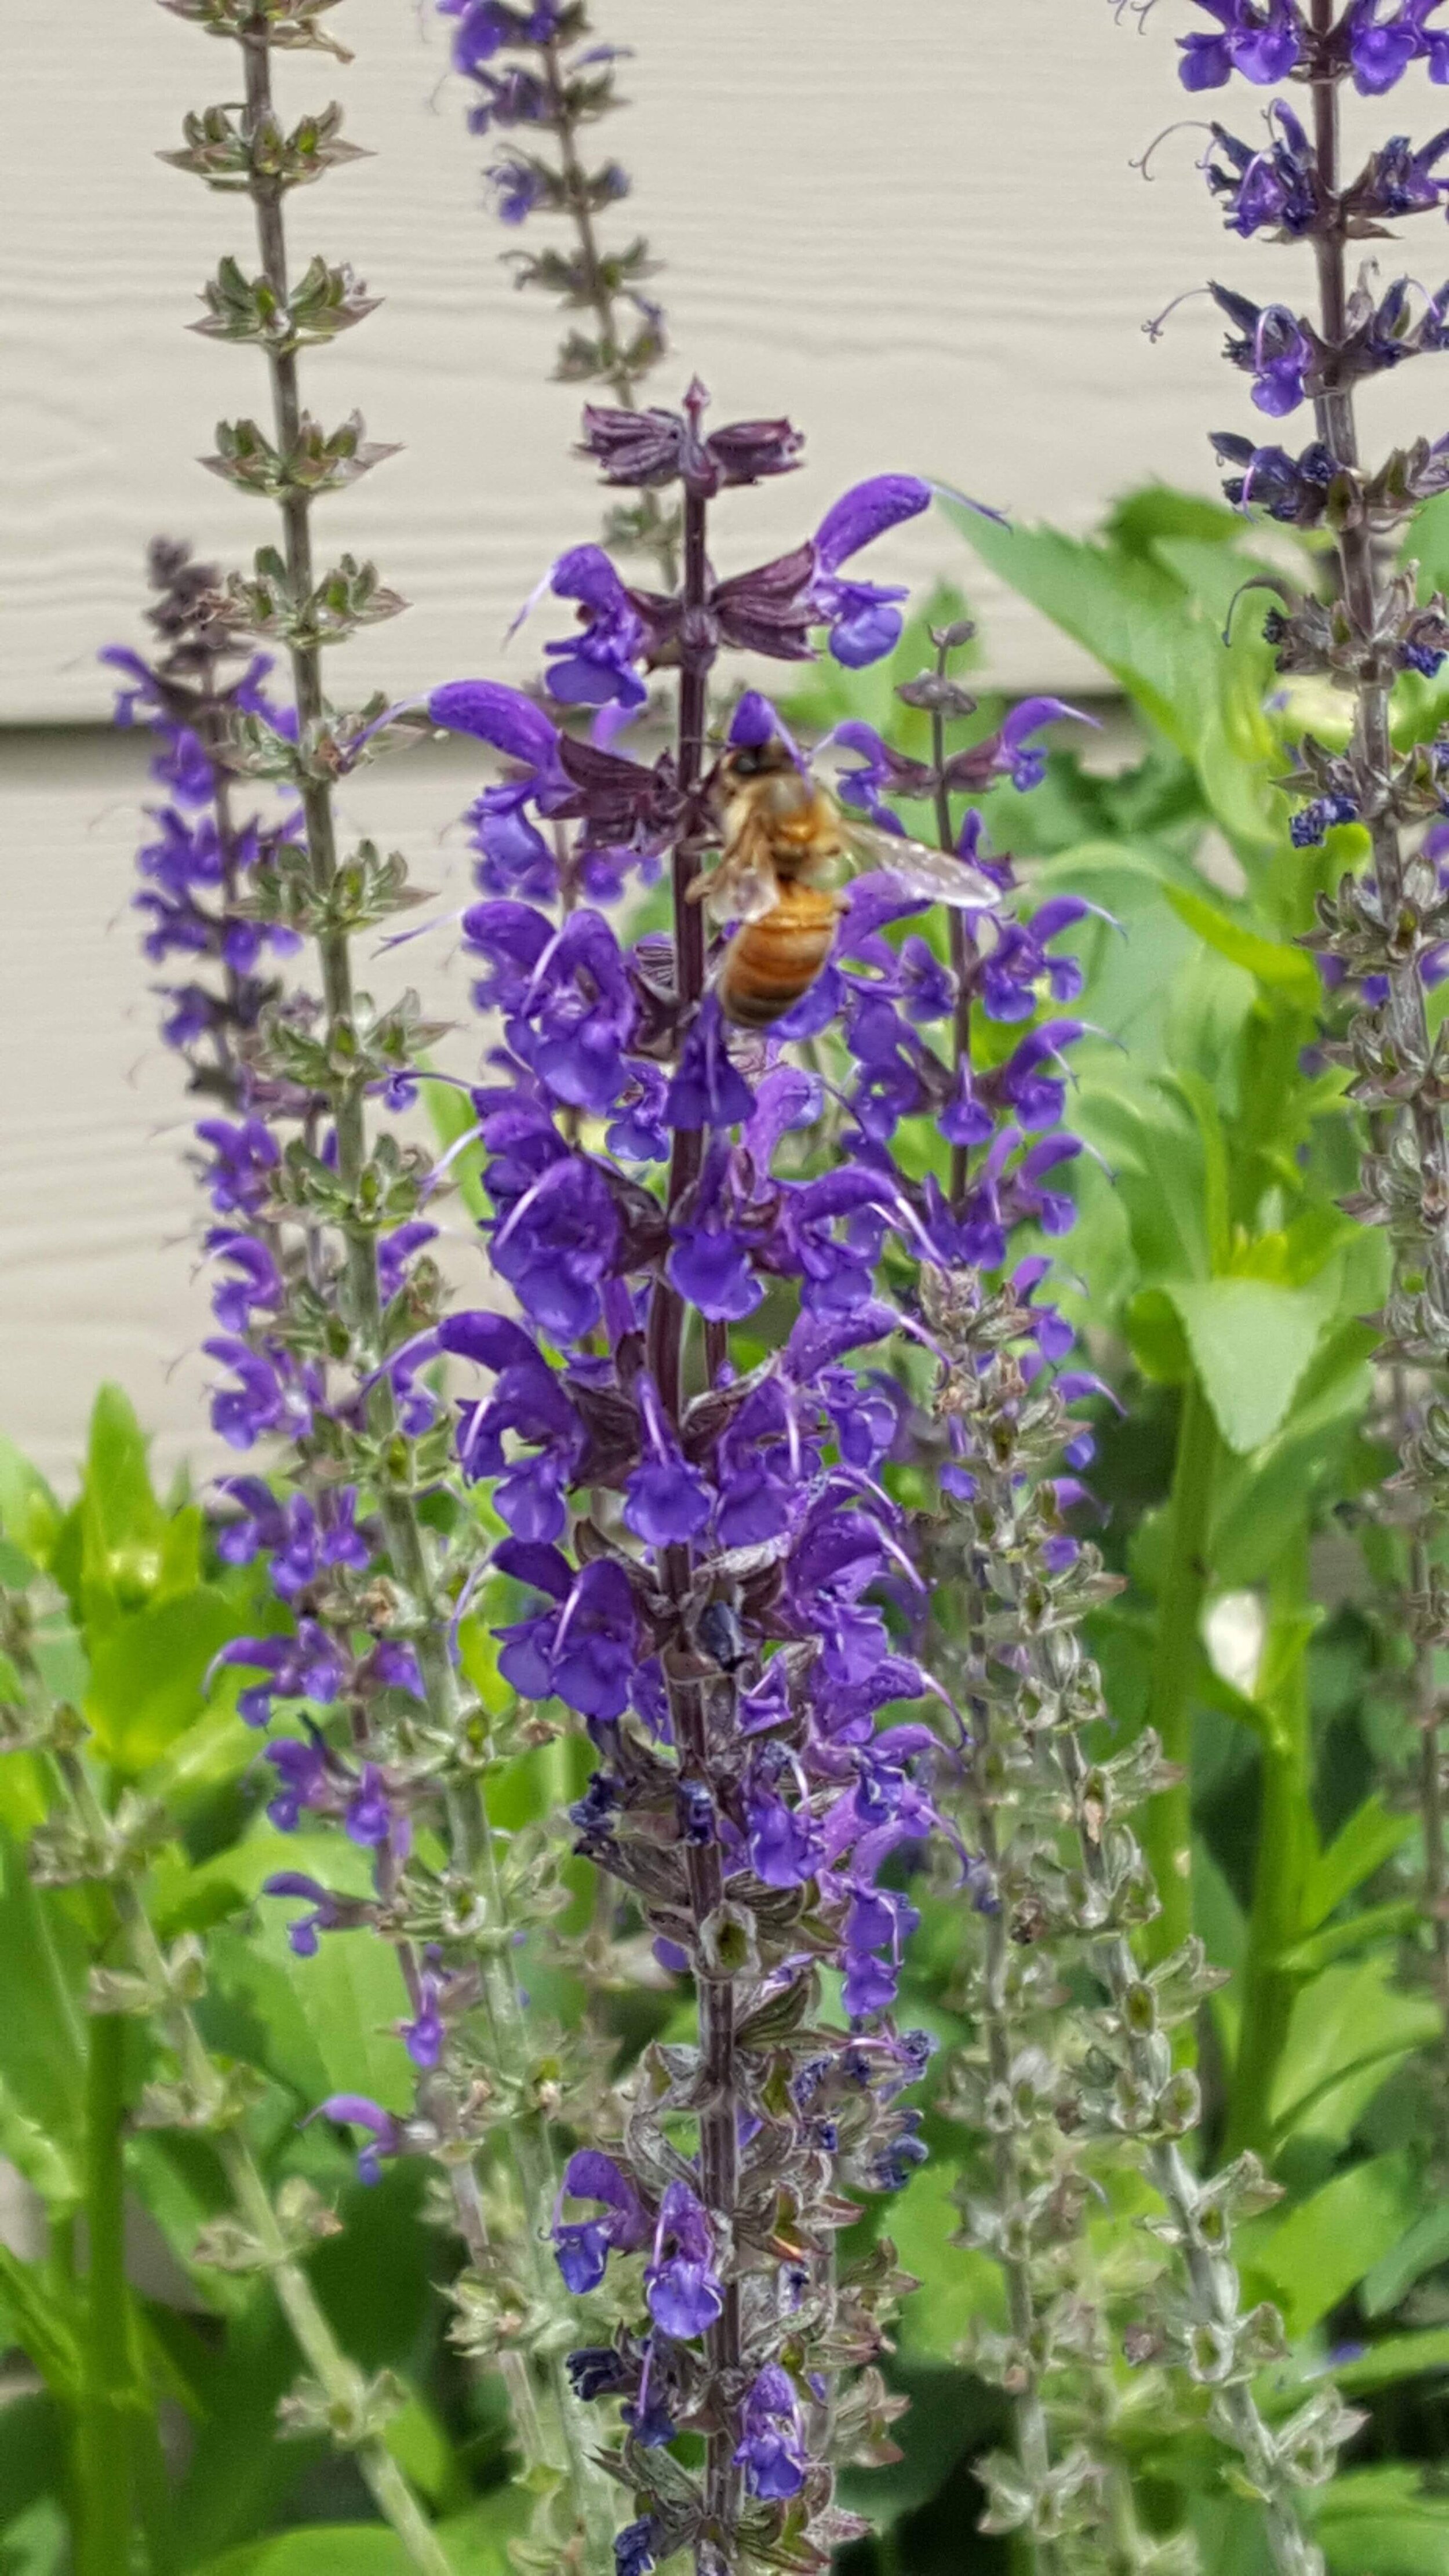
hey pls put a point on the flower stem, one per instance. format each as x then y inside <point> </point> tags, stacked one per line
<point>1284,1828</point>
<point>105,2463</point>
<point>1167,1824</point>
<point>696,1708</point>
<point>654,532</point>
<point>474,1848</point>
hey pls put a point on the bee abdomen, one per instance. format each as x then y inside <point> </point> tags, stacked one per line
<point>770,963</point>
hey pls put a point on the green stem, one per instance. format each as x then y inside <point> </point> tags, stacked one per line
<point>1167,1827</point>
<point>1284,1853</point>
<point>107,2420</point>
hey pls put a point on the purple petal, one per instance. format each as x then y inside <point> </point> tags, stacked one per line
<point>866,511</point>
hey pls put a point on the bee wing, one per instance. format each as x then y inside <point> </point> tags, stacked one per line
<point>936,874</point>
<point>744,887</point>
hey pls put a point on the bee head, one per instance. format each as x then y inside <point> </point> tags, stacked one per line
<point>767,759</point>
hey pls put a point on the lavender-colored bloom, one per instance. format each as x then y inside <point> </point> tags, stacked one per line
<point>635,2547</point>
<point>666,1502</point>
<point>682,2290</point>
<point>582,2247</point>
<point>1379,47</point>
<point>707,1090</point>
<point>386,2136</point>
<point>864,618</point>
<point>771,2449</point>
<point>304,1666</point>
<point>596,666</point>
<point>1263,43</point>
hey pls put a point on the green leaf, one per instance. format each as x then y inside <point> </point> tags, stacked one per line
<point>1376,1924</point>
<point>1383,2522</point>
<point>43,1965</point>
<point>1425,2246</point>
<point>451,1115</point>
<point>29,1512</point>
<point>1251,1341</point>
<point>476,2543</point>
<point>1283,969</point>
<point>1350,2028</point>
<point>959,2287</point>
<point>1308,2260</point>
<point>1398,2357</point>
<point>148,1675</point>
<point>1163,644</point>
<point>1371,1836</point>
<point>317,2549</point>
<point>321,2025</point>
<point>46,2327</point>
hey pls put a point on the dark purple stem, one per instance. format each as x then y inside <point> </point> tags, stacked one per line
<point>698,1707</point>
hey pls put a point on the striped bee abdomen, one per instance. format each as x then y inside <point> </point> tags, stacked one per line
<point>770,962</point>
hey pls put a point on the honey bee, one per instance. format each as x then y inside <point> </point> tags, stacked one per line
<point>784,836</point>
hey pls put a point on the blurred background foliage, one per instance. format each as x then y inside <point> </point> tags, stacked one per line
<point>1222,1294</point>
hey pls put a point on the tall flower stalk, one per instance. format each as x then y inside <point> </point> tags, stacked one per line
<point>700,1531</point>
<point>1382,931</point>
<point>540,82</point>
<point>326,1244</point>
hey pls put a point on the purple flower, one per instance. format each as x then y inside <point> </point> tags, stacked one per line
<point>864,619</point>
<point>771,2449</point>
<point>1264,43</point>
<point>666,1502</point>
<point>425,2033</point>
<point>514,856</point>
<point>556,1244</point>
<point>386,2135</point>
<point>584,1649</point>
<point>635,2547</point>
<point>1380,49</point>
<point>707,1089</point>
<point>582,2247</point>
<point>596,666</point>
<point>329,1913</point>
<point>684,2294</point>
<point>256,1287</point>
<point>302,1779</point>
<point>304,1666</point>
<point>244,1156</point>
<point>1272,347</point>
